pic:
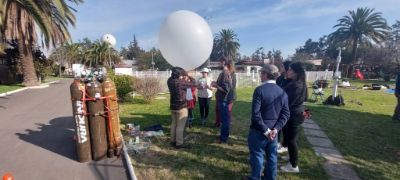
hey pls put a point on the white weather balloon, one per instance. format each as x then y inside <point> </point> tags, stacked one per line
<point>110,39</point>
<point>185,39</point>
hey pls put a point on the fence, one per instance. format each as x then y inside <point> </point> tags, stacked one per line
<point>242,79</point>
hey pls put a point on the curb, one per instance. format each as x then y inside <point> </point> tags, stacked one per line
<point>128,161</point>
<point>42,86</point>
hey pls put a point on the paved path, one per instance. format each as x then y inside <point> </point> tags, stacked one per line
<point>335,166</point>
<point>36,138</point>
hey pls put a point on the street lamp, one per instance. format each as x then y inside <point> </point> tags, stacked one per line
<point>336,73</point>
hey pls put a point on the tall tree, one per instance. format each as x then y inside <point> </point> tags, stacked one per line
<point>133,50</point>
<point>360,26</point>
<point>227,43</point>
<point>259,54</point>
<point>19,20</point>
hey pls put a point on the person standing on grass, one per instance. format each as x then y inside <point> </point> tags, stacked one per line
<point>281,81</point>
<point>204,94</point>
<point>270,112</point>
<point>177,85</point>
<point>191,104</point>
<point>296,91</point>
<point>396,115</point>
<point>225,95</point>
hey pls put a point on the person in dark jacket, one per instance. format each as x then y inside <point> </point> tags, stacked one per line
<point>296,91</point>
<point>177,85</point>
<point>396,115</point>
<point>270,112</point>
<point>225,95</point>
<point>281,81</point>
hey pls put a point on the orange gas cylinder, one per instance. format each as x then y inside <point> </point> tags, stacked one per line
<point>113,122</point>
<point>82,135</point>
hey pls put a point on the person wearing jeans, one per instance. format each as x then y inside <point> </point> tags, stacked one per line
<point>225,96</point>
<point>270,112</point>
<point>258,146</point>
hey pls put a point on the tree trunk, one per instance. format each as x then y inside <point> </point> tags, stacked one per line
<point>354,50</point>
<point>28,68</point>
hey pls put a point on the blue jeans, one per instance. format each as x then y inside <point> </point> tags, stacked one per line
<point>258,145</point>
<point>225,120</point>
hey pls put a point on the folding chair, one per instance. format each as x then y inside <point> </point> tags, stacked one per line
<point>317,92</point>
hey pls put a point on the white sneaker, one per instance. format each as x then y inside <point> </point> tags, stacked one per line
<point>290,169</point>
<point>286,158</point>
<point>282,150</point>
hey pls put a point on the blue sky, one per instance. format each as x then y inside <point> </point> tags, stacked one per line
<point>272,24</point>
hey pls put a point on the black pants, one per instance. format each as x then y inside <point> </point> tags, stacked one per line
<point>290,132</point>
<point>190,114</point>
<point>204,107</point>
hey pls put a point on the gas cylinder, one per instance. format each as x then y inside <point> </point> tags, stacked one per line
<point>96,120</point>
<point>113,122</point>
<point>83,148</point>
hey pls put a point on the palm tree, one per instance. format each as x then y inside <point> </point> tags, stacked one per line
<point>363,26</point>
<point>102,54</point>
<point>19,19</point>
<point>227,43</point>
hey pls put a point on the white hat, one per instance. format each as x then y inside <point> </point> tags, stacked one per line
<point>205,70</point>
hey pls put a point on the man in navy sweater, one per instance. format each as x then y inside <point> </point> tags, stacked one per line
<point>270,112</point>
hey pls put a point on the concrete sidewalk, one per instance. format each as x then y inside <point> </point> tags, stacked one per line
<point>335,166</point>
<point>37,129</point>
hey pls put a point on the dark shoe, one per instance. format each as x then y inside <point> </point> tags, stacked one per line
<point>220,142</point>
<point>217,125</point>
<point>190,125</point>
<point>182,146</point>
<point>202,121</point>
<point>173,144</point>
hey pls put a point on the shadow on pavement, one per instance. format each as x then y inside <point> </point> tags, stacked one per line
<point>56,137</point>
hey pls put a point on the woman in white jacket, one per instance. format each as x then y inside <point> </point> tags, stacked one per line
<point>204,94</point>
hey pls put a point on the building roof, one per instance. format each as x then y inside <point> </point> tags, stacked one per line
<point>250,63</point>
<point>317,62</point>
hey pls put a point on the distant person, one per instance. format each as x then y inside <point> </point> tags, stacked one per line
<point>225,95</point>
<point>270,112</point>
<point>204,94</point>
<point>177,85</point>
<point>281,81</point>
<point>396,115</point>
<point>296,91</point>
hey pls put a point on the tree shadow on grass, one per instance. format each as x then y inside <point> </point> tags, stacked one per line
<point>366,139</point>
<point>203,148</point>
<point>206,158</point>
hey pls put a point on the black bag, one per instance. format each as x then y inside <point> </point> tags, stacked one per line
<point>338,100</point>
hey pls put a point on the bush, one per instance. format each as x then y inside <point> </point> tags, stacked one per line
<point>148,87</point>
<point>123,84</point>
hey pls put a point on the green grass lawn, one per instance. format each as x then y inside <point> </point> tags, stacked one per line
<point>206,159</point>
<point>363,130</point>
<point>8,88</point>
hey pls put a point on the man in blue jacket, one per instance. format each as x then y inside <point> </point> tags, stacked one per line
<point>270,112</point>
